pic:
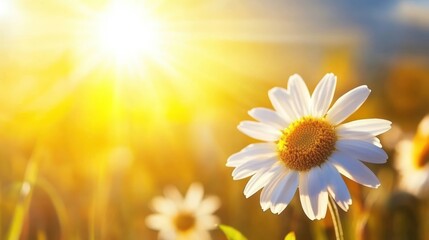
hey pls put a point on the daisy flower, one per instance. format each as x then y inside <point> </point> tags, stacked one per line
<point>412,161</point>
<point>184,218</point>
<point>307,147</point>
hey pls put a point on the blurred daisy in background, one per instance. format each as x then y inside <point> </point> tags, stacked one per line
<point>412,161</point>
<point>184,218</point>
<point>306,147</point>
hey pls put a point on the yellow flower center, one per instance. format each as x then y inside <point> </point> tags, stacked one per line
<point>184,221</point>
<point>306,143</point>
<point>420,150</point>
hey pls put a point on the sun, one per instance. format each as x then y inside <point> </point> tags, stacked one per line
<point>126,33</point>
<point>7,8</point>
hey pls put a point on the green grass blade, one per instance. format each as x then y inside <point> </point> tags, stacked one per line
<point>232,233</point>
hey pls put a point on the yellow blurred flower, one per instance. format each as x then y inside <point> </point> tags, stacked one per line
<point>412,161</point>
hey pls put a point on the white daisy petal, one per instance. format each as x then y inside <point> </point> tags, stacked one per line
<point>300,95</point>
<point>208,221</point>
<point>362,150</point>
<point>282,103</point>
<point>257,145</point>
<point>313,193</point>
<point>336,186</point>
<point>362,137</point>
<point>260,180</point>
<point>157,221</point>
<point>347,104</point>
<point>284,192</point>
<point>201,235</point>
<point>172,193</point>
<point>373,127</point>
<point>209,205</point>
<point>403,148</point>
<point>163,205</point>
<point>317,189</point>
<point>250,167</point>
<point>345,134</point>
<point>323,94</point>
<point>423,127</point>
<point>304,195</point>
<point>373,140</point>
<point>269,117</point>
<point>269,189</point>
<point>354,169</point>
<point>255,151</point>
<point>167,234</point>
<point>259,131</point>
<point>194,195</point>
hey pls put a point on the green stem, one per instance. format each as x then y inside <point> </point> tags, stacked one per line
<point>335,219</point>
<point>25,194</point>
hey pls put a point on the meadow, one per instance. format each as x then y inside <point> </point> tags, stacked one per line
<point>107,105</point>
